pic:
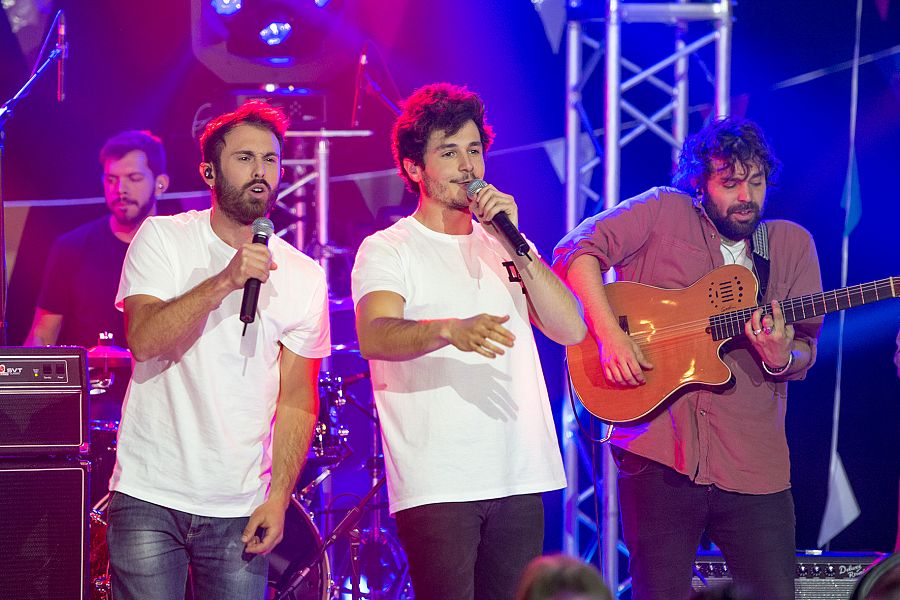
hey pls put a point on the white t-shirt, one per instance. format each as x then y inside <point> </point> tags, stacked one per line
<point>196,430</point>
<point>457,426</point>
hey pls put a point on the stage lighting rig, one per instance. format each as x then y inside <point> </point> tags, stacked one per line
<point>289,42</point>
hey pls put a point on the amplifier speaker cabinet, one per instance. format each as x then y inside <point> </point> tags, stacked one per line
<point>43,517</point>
<point>820,575</point>
<point>43,400</point>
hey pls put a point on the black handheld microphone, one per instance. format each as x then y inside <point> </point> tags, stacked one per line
<point>501,221</point>
<point>61,61</point>
<point>262,231</point>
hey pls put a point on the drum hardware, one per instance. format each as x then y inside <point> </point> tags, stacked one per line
<point>348,348</point>
<point>103,361</point>
<point>378,558</point>
<point>304,496</point>
<point>301,545</point>
<point>329,445</point>
<point>338,304</point>
<point>355,575</point>
<point>298,575</point>
<point>99,583</point>
<point>109,368</point>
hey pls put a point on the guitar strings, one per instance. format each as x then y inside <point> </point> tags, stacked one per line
<point>734,320</point>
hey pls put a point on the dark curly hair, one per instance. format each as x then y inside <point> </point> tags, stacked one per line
<point>730,140</point>
<point>253,112</point>
<point>435,107</point>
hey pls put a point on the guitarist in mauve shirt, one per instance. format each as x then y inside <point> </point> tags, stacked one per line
<point>712,460</point>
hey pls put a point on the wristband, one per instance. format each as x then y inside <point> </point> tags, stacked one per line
<point>781,370</point>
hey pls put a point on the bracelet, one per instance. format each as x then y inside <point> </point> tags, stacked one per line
<point>780,370</point>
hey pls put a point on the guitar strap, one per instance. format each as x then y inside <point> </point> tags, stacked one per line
<point>759,244</point>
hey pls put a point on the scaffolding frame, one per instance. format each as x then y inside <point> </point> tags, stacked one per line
<point>579,71</point>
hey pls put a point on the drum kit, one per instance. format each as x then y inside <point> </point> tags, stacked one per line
<point>299,567</point>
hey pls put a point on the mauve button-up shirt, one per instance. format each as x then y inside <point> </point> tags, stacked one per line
<point>732,437</point>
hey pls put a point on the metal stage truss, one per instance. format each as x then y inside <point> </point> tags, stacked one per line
<point>584,54</point>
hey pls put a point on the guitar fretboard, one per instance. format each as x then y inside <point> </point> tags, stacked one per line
<point>730,324</point>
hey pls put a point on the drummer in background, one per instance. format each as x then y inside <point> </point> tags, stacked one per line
<point>78,293</point>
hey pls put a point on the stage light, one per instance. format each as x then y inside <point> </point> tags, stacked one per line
<point>275,33</point>
<point>299,42</point>
<point>226,7</point>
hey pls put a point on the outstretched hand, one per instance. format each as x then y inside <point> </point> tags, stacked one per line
<point>482,333</point>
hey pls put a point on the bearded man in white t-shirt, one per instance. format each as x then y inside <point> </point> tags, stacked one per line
<point>444,308</point>
<point>218,419</point>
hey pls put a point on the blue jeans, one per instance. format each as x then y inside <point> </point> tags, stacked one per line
<point>466,550</point>
<point>150,548</point>
<point>664,514</point>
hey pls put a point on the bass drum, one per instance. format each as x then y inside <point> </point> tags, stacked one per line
<point>300,545</point>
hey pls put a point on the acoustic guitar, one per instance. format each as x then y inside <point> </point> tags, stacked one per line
<point>681,332</point>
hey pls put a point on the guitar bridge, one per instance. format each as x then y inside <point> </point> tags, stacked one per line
<point>623,323</point>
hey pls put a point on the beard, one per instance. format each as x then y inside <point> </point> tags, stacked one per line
<point>732,230</point>
<point>443,193</point>
<point>239,207</point>
<point>143,210</point>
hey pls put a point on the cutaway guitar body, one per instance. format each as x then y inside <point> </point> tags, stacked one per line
<point>673,331</point>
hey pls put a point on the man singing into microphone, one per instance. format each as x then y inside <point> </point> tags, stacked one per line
<point>216,424</point>
<point>443,312</point>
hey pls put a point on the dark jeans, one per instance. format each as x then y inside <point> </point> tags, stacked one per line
<point>150,547</point>
<point>664,514</point>
<point>466,550</point>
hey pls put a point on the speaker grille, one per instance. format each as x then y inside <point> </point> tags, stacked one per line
<point>43,508</point>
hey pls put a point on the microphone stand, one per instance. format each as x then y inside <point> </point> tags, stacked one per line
<point>355,543</point>
<point>348,522</point>
<point>6,113</point>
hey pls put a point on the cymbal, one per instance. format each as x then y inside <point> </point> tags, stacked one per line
<point>109,357</point>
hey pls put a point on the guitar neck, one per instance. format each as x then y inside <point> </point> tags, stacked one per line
<point>730,324</point>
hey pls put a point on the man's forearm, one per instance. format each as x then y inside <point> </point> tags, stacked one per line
<point>292,436</point>
<point>157,327</point>
<point>554,307</point>
<point>586,279</point>
<point>388,338</point>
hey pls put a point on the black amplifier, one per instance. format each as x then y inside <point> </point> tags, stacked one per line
<point>43,400</point>
<point>820,575</point>
<point>44,519</point>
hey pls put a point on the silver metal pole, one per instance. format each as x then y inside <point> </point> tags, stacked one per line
<point>322,201</point>
<point>573,180</point>
<point>634,12</point>
<point>723,60</point>
<point>609,530</point>
<point>680,99</point>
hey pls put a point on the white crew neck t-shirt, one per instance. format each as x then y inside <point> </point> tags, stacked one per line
<point>196,429</point>
<point>457,426</point>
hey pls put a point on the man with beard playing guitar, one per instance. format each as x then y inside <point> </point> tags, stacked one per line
<point>710,460</point>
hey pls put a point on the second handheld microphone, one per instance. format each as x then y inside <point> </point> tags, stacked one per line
<point>262,231</point>
<point>501,221</point>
